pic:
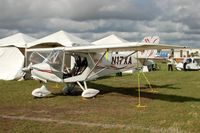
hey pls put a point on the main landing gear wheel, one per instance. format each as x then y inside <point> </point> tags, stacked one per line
<point>89,93</point>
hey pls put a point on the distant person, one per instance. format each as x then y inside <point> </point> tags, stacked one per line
<point>189,59</point>
<point>170,63</point>
<point>184,62</point>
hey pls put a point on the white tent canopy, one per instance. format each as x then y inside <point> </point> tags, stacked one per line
<point>11,58</point>
<point>112,39</point>
<point>11,63</point>
<point>18,40</point>
<point>60,38</point>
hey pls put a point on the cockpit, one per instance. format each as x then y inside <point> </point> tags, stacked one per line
<point>70,64</point>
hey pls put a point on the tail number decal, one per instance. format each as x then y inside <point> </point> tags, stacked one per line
<point>120,60</point>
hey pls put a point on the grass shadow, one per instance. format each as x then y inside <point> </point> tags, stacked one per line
<point>168,86</point>
<point>76,92</point>
<point>133,91</point>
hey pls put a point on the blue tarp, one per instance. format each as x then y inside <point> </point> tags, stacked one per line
<point>162,54</point>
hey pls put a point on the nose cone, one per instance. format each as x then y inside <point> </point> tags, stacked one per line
<point>41,66</point>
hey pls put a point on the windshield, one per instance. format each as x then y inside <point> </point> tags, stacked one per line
<point>36,57</point>
<point>55,59</point>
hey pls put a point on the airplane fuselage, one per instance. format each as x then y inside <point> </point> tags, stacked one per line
<point>91,68</point>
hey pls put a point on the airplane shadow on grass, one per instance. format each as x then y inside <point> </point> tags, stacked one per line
<point>168,86</point>
<point>133,91</point>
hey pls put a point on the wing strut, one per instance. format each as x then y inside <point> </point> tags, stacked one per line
<point>96,63</point>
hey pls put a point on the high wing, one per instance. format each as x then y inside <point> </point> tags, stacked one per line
<point>121,47</point>
<point>136,46</point>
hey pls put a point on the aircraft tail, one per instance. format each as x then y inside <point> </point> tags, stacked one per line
<point>149,53</point>
<point>151,39</point>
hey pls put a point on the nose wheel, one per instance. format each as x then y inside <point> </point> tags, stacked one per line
<point>41,92</point>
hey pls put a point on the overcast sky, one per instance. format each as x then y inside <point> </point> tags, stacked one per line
<point>175,21</point>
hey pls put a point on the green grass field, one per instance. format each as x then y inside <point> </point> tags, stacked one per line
<point>175,108</point>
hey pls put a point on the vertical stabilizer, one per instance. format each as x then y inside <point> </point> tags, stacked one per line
<point>149,53</point>
<point>151,39</point>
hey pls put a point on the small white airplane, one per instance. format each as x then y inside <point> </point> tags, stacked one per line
<point>91,62</point>
<point>192,64</point>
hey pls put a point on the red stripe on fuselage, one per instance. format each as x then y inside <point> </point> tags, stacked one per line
<point>46,71</point>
